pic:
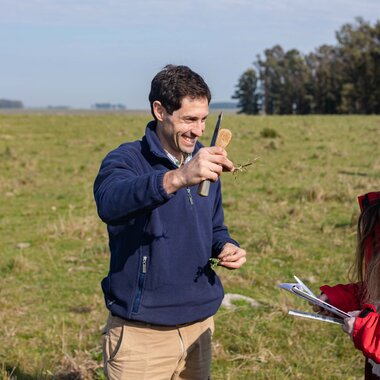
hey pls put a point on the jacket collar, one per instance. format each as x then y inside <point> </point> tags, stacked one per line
<point>154,144</point>
<point>153,141</point>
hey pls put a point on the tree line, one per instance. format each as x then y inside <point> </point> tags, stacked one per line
<point>340,79</point>
<point>6,103</point>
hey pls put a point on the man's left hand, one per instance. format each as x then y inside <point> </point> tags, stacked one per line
<point>232,257</point>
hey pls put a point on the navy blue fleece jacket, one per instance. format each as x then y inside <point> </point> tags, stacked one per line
<point>160,243</point>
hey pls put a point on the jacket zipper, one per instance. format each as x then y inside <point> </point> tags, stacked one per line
<point>189,195</point>
<point>137,300</point>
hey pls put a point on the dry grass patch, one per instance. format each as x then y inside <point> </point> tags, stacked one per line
<point>84,227</point>
<point>81,366</point>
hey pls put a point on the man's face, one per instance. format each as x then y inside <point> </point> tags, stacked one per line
<point>180,131</point>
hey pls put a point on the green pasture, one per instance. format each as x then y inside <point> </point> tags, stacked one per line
<point>294,210</point>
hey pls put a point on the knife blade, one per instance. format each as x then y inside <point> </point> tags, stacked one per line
<point>204,186</point>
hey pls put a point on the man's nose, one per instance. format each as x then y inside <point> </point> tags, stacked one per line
<point>199,128</point>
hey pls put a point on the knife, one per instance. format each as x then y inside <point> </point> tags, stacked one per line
<point>204,186</point>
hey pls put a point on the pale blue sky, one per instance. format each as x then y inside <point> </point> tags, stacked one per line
<point>79,52</point>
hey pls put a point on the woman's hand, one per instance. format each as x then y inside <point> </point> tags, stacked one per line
<point>349,322</point>
<point>321,310</point>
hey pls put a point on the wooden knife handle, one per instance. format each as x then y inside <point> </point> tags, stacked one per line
<point>204,188</point>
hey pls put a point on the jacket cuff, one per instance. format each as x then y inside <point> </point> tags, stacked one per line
<point>360,321</point>
<point>160,186</point>
<point>220,245</point>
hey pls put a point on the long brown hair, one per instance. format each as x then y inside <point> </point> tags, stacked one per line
<point>367,264</point>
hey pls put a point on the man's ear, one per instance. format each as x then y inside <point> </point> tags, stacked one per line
<point>159,110</point>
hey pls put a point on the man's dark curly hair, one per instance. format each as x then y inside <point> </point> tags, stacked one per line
<point>173,83</point>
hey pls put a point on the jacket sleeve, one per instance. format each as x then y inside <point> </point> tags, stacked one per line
<point>220,235</point>
<point>123,190</point>
<point>345,297</point>
<point>366,334</point>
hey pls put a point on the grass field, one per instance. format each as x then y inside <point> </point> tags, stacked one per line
<point>294,210</point>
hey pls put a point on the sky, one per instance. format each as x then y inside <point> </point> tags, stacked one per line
<point>79,52</point>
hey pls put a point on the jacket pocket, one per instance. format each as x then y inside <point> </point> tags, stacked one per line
<point>140,285</point>
<point>113,339</point>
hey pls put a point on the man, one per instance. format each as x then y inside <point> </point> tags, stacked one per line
<point>161,291</point>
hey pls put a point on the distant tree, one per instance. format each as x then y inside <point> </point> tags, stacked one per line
<point>359,49</point>
<point>333,79</point>
<point>272,79</point>
<point>326,83</point>
<point>246,93</point>
<point>297,96</point>
<point>6,103</point>
<point>286,82</point>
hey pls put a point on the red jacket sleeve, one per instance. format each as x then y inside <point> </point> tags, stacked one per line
<point>366,334</point>
<point>345,297</point>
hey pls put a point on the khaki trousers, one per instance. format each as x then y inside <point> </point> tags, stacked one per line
<point>140,351</point>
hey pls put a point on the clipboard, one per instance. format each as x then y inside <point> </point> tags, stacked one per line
<point>301,290</point>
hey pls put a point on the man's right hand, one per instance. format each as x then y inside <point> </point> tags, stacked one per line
<point>208,163</point>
